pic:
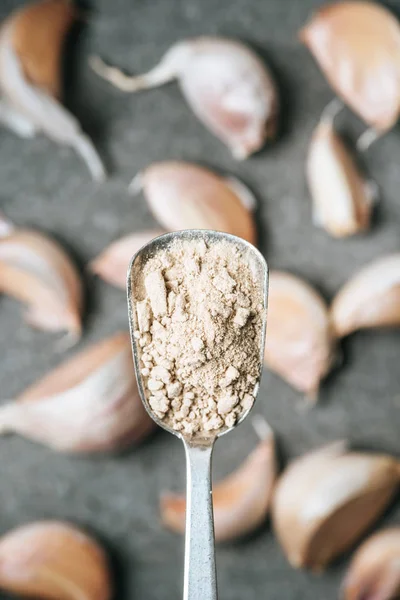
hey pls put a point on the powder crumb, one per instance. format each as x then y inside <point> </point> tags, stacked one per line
<point>199,320</point>
<point>157,293</point>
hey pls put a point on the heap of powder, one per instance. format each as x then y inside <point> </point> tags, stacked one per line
<point>199,328</point>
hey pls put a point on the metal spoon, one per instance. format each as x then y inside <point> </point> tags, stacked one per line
<point>200,579</point>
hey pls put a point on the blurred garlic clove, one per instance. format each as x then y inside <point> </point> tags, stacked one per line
<point>327,499</point>
<point>112,263</point>
<point>299,345</point>
<point>89,403</point>
<point>54,561</point>
<point>357,46</point>
<point>342,199</point>
<point>225,83</point>
<point>31,42</point>
<point>35,270</point>
<point>241,501</point>
<point>370,299</point>
<point>374,572</point>
<point>184,195</point>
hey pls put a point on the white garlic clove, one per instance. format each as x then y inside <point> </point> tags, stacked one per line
<point>299,346</point>
<point>374,572</point>
<point>241,501</point>
<point>90,403</point>
<point>357,46</point>
<point>226,84</point>
<point>342,199</point>
<point>31,40</point>
<point>36,270</point>
<point>370,299</point>
<point>325,501</point>
<point>113,262</point>
<point>55,561</point>
<point>187,196</point>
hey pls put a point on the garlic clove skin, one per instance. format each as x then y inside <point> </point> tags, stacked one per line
<point>299,346</point>
<point>241,501</point>
<point>342,199</point>
<point>357,46</point>
<point>88,404</point>
<point>225,83</point>
<point>325,501</point>
<point>112,263</point>
<point>30,42</point>
<point>187,196</point>
<point>370,299</point>
<point>374,571</point>
<point>35,270</point>
<point>53,561</point>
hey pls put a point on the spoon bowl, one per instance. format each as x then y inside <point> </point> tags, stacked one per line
<point>135,287</point>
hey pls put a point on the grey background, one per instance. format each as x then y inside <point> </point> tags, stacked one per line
<point>47,187</point>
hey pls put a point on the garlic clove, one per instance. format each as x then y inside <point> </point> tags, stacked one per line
<point>342,200</point>
<point>374,572</point>
<point>187,196</point>
<point>54,561</point>
<point>38,46</point>
<point>225,83</point>
<point>241,501</point>
<point>370,299</point>
<point>35,270</point>
<point>325,500</point>
<point>357,46</point>
<point>30,45</point>
<point>299,345</point>
<point>89,403</point>
<point>112,263</point>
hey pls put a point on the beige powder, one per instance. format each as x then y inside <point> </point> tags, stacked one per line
<point>199,329</point>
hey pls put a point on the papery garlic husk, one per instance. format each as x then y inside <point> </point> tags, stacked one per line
<point>299,346</point>
<point>225,83</point>
<point>241,501</point>
<point>53,560</point>
<point>357,46</point>
<point>113,262</point>
<point>342,199</point>
<point>374,572</point>
<point>35,270</point>
<point>370,299</point>
<point>327,499</point>
<point>184,195</point>
<point>31,41</point>
<point>90,403</point>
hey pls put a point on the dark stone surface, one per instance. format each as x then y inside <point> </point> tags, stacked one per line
<point>47,187</point>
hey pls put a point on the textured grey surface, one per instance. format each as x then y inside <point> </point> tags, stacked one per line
<point>47,187</point>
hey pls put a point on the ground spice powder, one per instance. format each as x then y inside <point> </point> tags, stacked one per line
<point>199,328</point>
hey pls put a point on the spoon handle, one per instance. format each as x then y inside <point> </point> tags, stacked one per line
<point>200,581</point>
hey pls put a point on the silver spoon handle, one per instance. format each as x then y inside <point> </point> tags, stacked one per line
<point>200,582</point>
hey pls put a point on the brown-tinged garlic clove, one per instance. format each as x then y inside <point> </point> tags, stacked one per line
<point>31,41</point>
<point>342,199</point>
<point>225,83</point>
<point>325,501</point>
<point>112,263</point>
<point>187,196</point>
<point>370,299</point>
<point>37,271</point>
<point>374,572</point>
<point>299,346</point>
<point>89,403</point>
<point>54,561</point>
<point>40,47</point>
<point>241,501</point>
<point>357,46</point>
